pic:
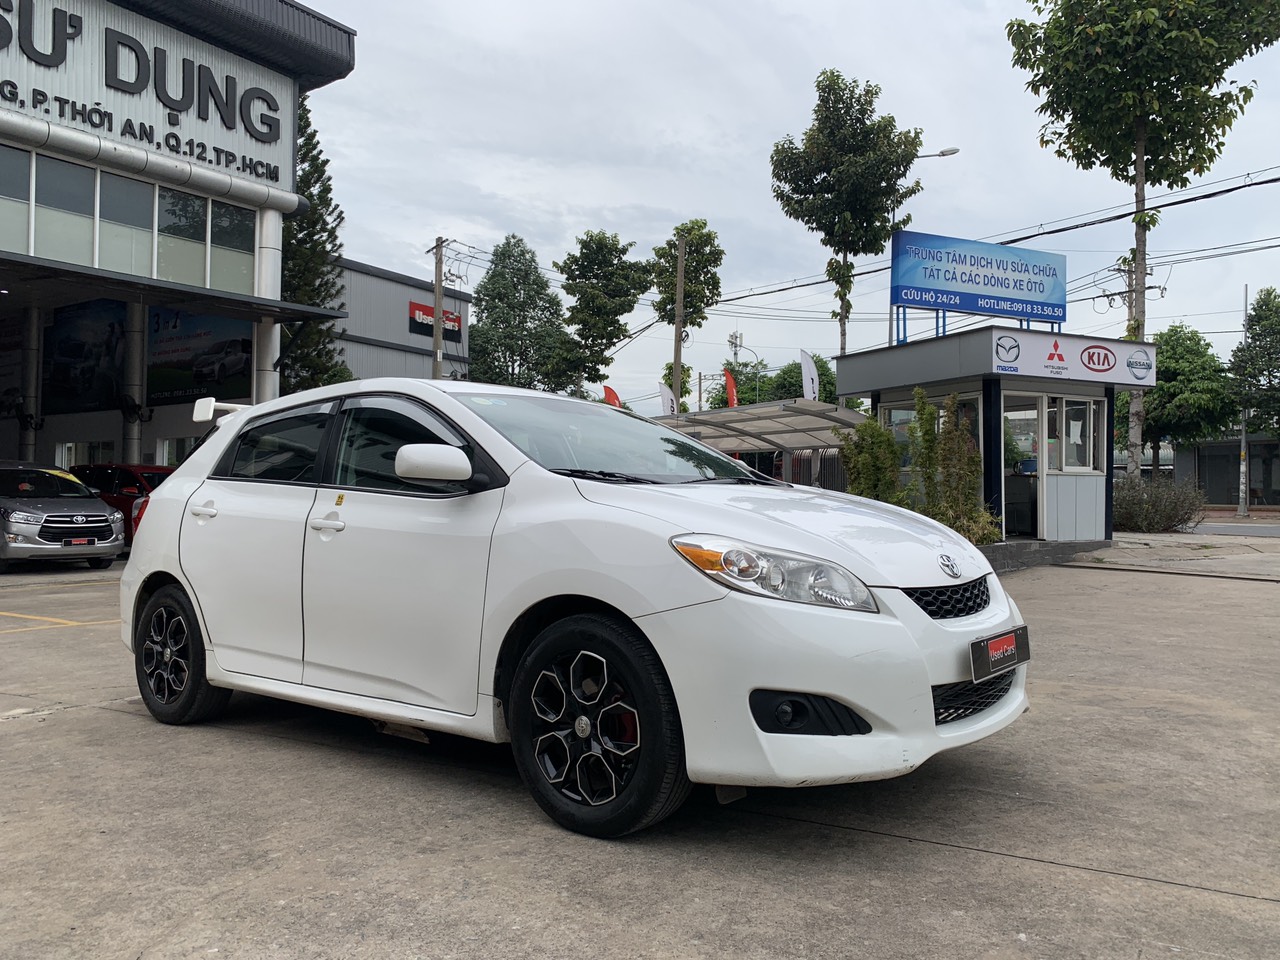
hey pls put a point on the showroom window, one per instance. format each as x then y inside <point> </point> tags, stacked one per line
<point>373,429</point>
<point>15,196</point>
<point>1073,432</point>
<point>64,211</point>
<point>231,238</point>
<point>284,449</point>
<point>182,220</point>
<point>126,225</point>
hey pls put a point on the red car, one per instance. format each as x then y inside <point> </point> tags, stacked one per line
<point>122,485</point>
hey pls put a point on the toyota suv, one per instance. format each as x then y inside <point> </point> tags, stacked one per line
<point>47,514</point>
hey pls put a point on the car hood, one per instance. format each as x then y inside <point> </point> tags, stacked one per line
<point>880,544</point>
<point>90,507</point>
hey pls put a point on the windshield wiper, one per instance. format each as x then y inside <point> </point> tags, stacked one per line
<point>610,476</point>
<point>751,480</point>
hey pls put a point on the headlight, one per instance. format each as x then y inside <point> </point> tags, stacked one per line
<point>116,517</point>
<point>775,573</point>
<point>17,516</point>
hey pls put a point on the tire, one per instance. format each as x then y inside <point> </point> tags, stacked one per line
<point>100,563</point>
<point>168,653</point>
<point>595,730</point>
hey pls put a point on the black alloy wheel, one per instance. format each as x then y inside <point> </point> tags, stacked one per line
<point>169,661</point>
<point>594,728</point>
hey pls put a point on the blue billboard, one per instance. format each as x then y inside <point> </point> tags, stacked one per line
<point>945,273</point>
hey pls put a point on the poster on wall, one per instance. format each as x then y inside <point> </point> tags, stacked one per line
<point>83,358</point>
<point>193,355</point>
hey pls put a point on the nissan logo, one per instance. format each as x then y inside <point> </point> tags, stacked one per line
<point>1098,358</point>
<point>1139,364</point>
<point>950,566</point>
<point>1007,349</point>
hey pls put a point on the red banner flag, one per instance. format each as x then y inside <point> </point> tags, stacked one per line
<point>611,397</point>
<point>730,388</point>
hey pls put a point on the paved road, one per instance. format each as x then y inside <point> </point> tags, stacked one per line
<point>1270,529</point>
<point>1131,814</point>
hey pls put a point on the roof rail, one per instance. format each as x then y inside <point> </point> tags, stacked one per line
<point>206,407</point>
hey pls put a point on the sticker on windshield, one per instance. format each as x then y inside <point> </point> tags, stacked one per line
<point>64,475</point>
<point>487,401</point>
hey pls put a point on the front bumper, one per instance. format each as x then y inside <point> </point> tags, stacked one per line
<point>20,541</point>
<point>884,666</point>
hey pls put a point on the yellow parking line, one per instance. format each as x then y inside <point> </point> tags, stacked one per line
<point>60,623</point>
<point>27,616</point>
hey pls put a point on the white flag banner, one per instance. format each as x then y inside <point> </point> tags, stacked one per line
<point>669,408</point>
<point>809,374</point>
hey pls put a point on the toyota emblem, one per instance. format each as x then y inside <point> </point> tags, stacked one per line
<point>949,566</point>
<point>78,519</point>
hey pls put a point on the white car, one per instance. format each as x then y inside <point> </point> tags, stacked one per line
<point>632,610</point>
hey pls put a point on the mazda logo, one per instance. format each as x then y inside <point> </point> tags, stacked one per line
<point>1007,349</point>
<point>950,566</point>
<point>78,519</point>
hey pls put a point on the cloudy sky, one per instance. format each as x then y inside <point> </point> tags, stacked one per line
<point>476,120</point>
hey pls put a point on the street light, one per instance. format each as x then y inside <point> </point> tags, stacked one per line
<point>742,346</point>
<point>944,152</point>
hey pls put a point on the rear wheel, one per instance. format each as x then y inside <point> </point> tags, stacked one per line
<point>100,563</point>
<point>595,730</point>
<point>169,661</point>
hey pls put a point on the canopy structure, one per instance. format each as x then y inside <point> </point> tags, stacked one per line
<point>770,427</point>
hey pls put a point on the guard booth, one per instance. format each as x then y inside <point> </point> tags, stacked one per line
<point>1042,409</point>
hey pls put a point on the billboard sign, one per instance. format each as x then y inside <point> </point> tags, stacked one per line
<point>192,355</point>
<point>422,318</point>
<point>1033,353</point>
<point>945,273</point>
<point>83,358</point>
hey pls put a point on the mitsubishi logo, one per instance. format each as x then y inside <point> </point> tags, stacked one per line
<point>949,566</point>
<point>1056,353</point>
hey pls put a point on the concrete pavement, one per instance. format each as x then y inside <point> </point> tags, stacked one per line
<point>1131,814</point>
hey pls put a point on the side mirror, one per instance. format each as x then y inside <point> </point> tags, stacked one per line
<point>432,461</point>
<point>129,491</point>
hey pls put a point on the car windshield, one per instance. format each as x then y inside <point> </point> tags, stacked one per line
<point>32,484</point>
<point>601,442</point>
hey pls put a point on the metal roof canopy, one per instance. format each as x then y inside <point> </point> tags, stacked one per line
<point>775,425</point>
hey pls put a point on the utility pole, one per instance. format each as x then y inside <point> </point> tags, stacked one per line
<point>699,391</point>
<point>437,321</point>
<point>1243,509</point>
<point>735,343</point>
<point>676,367</point>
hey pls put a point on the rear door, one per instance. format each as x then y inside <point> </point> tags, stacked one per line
<point>242,538</point>
<point>395,571</point>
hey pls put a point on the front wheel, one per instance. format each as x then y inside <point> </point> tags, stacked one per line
<point>169,660</point>
<point>100,563</point>
<point>595,730</point>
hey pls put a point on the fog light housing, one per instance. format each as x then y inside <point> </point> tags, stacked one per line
<point>14,538</point>
<point>808,714</point>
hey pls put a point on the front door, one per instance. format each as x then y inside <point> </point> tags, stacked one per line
<point>394,581</point>
<point>1023,466</point>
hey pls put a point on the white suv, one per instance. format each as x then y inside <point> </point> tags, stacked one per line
<point>632,610</point>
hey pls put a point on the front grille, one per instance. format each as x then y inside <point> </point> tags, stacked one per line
<point>947,603</point>
<point>59,527</point>
<point>956,701</point>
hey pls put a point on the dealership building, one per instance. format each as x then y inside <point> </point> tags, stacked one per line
<point>147,155</point>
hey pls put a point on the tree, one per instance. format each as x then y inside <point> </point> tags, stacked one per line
<point>788,383</point>
<point>310,274</point>
<point>605,286</point>
<point>754,384</point>
<point>702,259</point>
<point>518,337</point>
<point>870,457</point>
<point>1140,90</point>
<point>1255,364</point>
<point>1191,400</point>
<point>686,374</point>
<point>844,180</point>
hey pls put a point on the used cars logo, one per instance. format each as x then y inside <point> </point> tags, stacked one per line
<point>1007,349</point>
<point>1139,364</point>
<point>1098,358</point>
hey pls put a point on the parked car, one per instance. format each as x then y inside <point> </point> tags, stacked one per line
<point>48,514</point>
<point>633,610</point>
<point>223,359</point>
<point>122,485</point>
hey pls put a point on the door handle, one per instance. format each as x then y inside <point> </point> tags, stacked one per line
<point>204,511</point>
<point>321,524</point>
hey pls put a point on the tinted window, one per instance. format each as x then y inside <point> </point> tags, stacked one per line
<point>64,186</point>
<point>182,215</point>
<point>284,449</point>
<point>126,201</point>
<point>26,484</point>
<point>15,173</point>
<point>373,429</point>
<point>232,227</point>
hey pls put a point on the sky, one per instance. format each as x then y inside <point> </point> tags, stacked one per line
<point>478,120</point>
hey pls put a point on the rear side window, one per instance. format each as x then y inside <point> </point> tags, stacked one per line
<point>282,449</point>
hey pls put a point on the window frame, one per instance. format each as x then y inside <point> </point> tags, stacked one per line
<point>1092,444</point>
<point>223,469</point>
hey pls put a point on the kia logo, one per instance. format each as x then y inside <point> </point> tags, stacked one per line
<point>1007,349</point>
<point>949,566</point>
<point>1139,364</point>
<point>1098,358</point>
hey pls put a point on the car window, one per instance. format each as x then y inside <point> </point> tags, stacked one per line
<point>33,484</point>
<point>284,448</point>
<point>152,478</point>
<point>372,430</point>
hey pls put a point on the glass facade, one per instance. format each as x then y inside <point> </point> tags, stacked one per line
<point>142,229</point>
<point>1218,471</point>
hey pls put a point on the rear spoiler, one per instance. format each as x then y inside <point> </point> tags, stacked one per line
<point>206,407</point>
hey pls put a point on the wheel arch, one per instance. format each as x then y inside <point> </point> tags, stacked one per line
<point>526,627</point>
<point>148,589</point>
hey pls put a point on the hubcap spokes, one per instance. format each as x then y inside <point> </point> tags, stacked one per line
<point>165,654</point>
<point>586,729</point>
